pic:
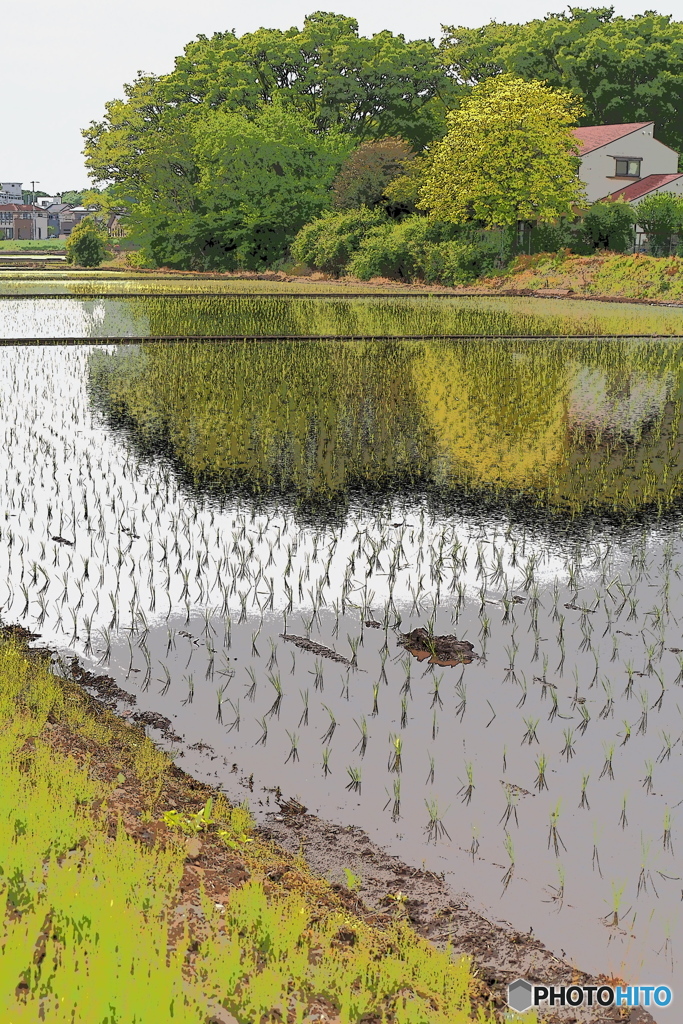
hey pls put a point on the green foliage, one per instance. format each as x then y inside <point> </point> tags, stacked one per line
<point>609,225</point>
<point>329,242</point>
<point>87,245</point>
<point>622,69</point>
<point>420,247</point>
<point>460,261</point>
<point>21,244</point>
<point>366,172</point>
<point>256,180</point>
<point>508,155</point>
<point>661,217</point>
<point>205,158</point>
<point>353,882</point>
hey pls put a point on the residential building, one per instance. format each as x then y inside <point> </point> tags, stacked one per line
<point>10,192</point>
<point>46,201</point>
<point>616,156</point>
<point>70,216</point>
<point>54,213</point>
<point>22,221</point>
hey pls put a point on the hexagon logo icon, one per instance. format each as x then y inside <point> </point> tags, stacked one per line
<point>520,995</point>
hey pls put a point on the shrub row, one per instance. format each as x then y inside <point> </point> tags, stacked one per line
<point>364,244</point>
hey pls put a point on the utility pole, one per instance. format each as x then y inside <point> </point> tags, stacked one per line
<point>33,203</point>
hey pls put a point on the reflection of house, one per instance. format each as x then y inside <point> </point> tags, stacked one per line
<point>615,157</point>
<point>21,221</point>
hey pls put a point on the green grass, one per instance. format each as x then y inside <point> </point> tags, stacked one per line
<point>39,245</point>
<point>84,918</point>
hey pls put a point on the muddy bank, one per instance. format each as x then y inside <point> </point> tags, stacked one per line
<point>499,952</point>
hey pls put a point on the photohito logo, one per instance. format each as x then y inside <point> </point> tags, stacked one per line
<point>522,995</point>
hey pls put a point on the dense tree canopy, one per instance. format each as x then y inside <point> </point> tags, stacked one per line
<point>509,155</point>
<point>222,160</point>
<point>623,69</point>
<point>172,146</point>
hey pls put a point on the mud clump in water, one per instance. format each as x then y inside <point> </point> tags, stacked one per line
<point>441,650</point>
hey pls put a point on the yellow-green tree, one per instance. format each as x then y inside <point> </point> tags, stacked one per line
<point>508,155</point>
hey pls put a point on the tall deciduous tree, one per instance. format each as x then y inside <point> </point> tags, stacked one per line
<point>623,69</point>
<point>193,202</point>
<point>508,155</point>
<point>256,182</point>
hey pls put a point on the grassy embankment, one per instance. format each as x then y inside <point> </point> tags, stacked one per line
<point>98,922</point>
<point>609,275</point>
<point>29,245</point>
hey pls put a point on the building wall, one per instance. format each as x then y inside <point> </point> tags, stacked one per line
<point>598,167</point>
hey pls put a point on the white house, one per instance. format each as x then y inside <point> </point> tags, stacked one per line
<point>10,192</point>
<point>625,159</point>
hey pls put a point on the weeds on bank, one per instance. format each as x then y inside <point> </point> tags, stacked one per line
<point>87,925</point>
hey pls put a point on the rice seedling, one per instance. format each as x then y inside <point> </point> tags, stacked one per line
<point>512,799</point>
<point>235,724</point>
<point>318,682</point>
<point>396,805</point>
<point>568,748</point>
<point>327,736</point>
<point>304,714</point>
<point>556,892</point>
<point>274,680</point>
<point>647,781</point>
<point>251,691</point>
<point>362,744</point>
<point>667,746</point>
<point>667,844</point>
<point>436,696</point>
<point>355,779</point>
<point>612,919</point>
<point>595,859</point>
<point>190,690</point>
<point>435,828</point>
<point>467,789</point>
<point>585,718</point>
<point>541,768</point>
<point>530,734</point>
<point>644,698</point>
<point>395,764</point>
<point>584,799</point>
<point>510,850</point>
<point>294,747</point>
<point>553,834</point>
<point>263,738</point>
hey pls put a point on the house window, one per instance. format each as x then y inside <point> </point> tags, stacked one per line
<point>627,168</point>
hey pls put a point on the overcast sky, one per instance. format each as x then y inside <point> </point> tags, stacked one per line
<point>63,61</point>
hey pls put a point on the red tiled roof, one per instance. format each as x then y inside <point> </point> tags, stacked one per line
<point>599,135</point>
<point>641,188</point>
<point>19,207</point>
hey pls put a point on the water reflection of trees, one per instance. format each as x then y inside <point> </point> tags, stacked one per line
<point>577,425</point>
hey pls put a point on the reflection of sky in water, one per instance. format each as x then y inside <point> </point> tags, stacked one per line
<point>180,558</point>
<point>70,318</point>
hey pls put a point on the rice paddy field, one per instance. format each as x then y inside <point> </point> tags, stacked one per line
<point>267,543</point>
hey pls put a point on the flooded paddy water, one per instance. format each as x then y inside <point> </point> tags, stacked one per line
<point>264,544</point>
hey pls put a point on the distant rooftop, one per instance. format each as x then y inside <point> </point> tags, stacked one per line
<point>599,135</point>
